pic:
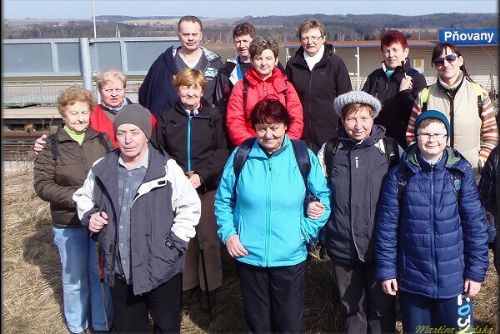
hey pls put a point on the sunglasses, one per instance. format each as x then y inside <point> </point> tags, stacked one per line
<point>449,58</point>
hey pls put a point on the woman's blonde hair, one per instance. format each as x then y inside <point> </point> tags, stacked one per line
<point>189,77</point>
<point>107,75</point>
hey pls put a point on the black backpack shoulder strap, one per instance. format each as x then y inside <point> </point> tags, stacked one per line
<point>425,97</point>
<point>497,182</point>
<point>214,117</point>
<point>245,93</point>
<point>302,157</point>
<point>457,177</point>
<point>331,148</point>
<point>285,93</point>
<point>104,142</point>
<point>391,151</point>
<point>55,147</point>
<point>403,176</point>
<point>241,156</point>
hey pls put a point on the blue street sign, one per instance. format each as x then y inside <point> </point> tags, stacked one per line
<point>469,36</point>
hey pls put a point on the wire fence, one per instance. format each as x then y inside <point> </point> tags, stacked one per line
<point>45,93</point>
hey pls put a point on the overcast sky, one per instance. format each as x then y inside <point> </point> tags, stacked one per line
<point>78,9</point>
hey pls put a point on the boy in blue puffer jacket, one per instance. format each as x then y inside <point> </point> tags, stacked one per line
<point>431,237</point>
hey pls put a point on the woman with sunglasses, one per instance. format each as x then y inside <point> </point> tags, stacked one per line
<point>468,107</point>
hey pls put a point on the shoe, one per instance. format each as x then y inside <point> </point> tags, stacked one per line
<point>204,299</point>
<point>187,295</point>
<point>86,331</point>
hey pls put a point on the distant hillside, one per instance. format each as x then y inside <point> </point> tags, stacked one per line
<point>339,27</point>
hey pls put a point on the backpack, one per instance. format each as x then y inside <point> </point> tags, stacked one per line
<point>404,175</point>
<point>424,97</point>
<point>55,145</point>
<point>492,228</point>
<point>477,89</point>
<point>301,155</point>
<point>391,149</point>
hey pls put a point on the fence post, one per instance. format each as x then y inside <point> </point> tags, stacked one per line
<point>85,63</point>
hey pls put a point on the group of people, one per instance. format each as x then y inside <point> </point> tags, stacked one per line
<point>143,194</point>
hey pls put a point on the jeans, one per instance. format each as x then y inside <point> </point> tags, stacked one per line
<point>82,290</point>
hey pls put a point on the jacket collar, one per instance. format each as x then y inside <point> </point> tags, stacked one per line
<point>378,132</point>
<point>107,168</point>
<point>452,159</point>
<point>63,136</point>
<point>202,111</point>
<point>259,153</point>
<point>211,56</point>
<point>300,60</point>
<point>277,79</point>
<point>106,171</point>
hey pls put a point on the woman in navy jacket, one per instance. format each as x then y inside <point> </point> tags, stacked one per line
<point>431,238</point>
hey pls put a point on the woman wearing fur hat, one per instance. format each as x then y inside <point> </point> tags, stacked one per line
<point>355,164</point>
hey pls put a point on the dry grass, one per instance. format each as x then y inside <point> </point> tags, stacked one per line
<point>32,293</point>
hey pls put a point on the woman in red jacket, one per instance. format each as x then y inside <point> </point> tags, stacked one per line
<point>263,80</point>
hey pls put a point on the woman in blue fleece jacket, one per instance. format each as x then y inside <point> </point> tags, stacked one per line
<point>260,218</point>
<point>431,237</point>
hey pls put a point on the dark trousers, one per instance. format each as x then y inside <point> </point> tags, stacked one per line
<point>163,303</point>
<point>368,308</point>
<point>422,314</point>
<point>273,298</point>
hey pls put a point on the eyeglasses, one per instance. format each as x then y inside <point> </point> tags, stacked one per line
<point>428,136</point>
<point>449,58</point>
<point>310,38</point>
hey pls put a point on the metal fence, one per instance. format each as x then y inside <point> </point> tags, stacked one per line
<point>42,92</point>
<point>36,70</point>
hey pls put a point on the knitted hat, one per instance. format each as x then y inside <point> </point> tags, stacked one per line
<point>435,115</point>
<point>356,96</point>
<point>134,114</point>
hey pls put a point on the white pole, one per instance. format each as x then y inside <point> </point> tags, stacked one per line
<point>357,68</point>
<point>93,18</point>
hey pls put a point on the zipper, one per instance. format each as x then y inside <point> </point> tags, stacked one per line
<point>350,199</point>
<point>188,144</point>
<point>309,126</point>
<point>452,120</point>
<point>268,220</point>
<point>433,250</point>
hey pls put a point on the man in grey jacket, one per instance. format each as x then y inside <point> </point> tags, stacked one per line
<point>143,210</point>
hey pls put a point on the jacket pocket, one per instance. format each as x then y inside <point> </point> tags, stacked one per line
<point>240,228</point>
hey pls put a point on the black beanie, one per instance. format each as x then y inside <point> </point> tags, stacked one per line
<point>134,114</point>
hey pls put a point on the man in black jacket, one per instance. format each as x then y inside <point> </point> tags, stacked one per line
<point>396,85</point>
<point>319,76</point>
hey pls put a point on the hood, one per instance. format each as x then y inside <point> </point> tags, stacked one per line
<point>277,79</point>
<point>210,55</point>
<point>452,159</point>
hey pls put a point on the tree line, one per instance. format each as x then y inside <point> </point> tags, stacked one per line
<point>282,28</point>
